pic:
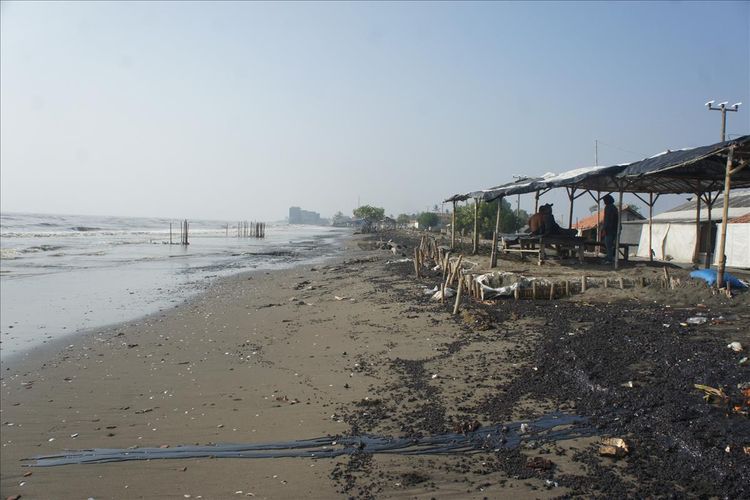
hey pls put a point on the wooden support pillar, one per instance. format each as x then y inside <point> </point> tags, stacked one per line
<point>598,219</point>
<point>619,231</point>
<point>709,233</point>
<point>536,202</point>
<point>475,248</point>
<point>453,226</point>
<point>650,227</point>
<point>493,254</point>
<point>697,246</point>
<point>571,196</point>
<point>725,215</point>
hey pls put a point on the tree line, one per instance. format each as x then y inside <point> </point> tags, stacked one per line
<point>510,221</point>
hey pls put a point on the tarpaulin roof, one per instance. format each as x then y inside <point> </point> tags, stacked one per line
<point>682,171</point>
<point>691,170</point>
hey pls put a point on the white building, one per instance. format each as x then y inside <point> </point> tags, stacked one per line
<point>674,232</point>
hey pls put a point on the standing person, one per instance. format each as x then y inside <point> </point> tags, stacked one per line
<point>609,227</point>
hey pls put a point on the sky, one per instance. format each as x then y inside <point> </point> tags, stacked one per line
<point>238,110</point>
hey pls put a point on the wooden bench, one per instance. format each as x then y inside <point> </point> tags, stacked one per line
<point>563,244</point>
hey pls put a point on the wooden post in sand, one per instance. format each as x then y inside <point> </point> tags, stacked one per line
<point>185,232</point>
<point>453,226</point>
<point>457,269</point>
<point>458,298</point>
<point>416,261</point>
<point>170,233</point>
<point>475,236</point>
<point>583,283</point>
<point>493,254</point>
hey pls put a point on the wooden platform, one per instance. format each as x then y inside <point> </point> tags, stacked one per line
<point>538,245</point>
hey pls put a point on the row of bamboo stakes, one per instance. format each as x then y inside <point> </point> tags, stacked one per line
<point>247,229</point>
<point>453,275</point>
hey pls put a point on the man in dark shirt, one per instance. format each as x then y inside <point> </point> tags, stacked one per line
<point>609,227</point>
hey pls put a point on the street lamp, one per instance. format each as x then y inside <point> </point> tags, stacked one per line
<point>722,106</point>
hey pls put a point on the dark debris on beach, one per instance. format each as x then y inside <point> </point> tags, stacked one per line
<point>629,366</point>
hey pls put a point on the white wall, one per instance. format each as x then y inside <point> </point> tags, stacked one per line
<point>669,239</point>
<point>738,245</point>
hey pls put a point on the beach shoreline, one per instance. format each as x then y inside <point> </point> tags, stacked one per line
<point>354,346</point>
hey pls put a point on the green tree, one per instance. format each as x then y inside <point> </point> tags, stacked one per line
<point>427,219</point>
<point>403,219</point>
<point>369,212</point>
<point>509,222</point>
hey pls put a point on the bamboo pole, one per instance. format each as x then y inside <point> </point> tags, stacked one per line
<point>619,232</point>
<point>493,254</point>
<point>598,220</point>
<point>724,217</point>
<point>453,226</point>
<point>571,196</point>
<point>475,248</point>
<point>650,227</point>
<point>458,299</point>
<point>416,262</point>
<point>697,246</point>
<point>709,232</point>
<point>457,269</point>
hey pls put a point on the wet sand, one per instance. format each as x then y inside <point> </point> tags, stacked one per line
<point>347,347</point>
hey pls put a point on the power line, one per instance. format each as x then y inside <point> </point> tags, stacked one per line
<point>622,149</point>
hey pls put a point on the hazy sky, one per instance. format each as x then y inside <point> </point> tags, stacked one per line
<point>238,110</point>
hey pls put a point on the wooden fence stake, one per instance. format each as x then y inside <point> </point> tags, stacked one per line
<point>458,299</point>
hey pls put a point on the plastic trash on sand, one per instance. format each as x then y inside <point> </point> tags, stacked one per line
<point>449,292</point>
<point>735,346</point>
<point>709,276</point>
<point>398,261</point>
<point>696,320</point>
<point>430,291</point>
<point>489,292</point>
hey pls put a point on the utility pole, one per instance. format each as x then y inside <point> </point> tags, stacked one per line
<point>596,152</point>
<point>723,108</point>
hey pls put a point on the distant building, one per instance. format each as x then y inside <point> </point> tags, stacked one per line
<point>299,216</point>
<point>630,234</point>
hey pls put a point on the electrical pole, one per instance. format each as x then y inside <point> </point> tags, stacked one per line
<point>723,108</point>
<point>596,152</point>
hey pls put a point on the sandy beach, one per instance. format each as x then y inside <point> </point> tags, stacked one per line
<point>354,346</point>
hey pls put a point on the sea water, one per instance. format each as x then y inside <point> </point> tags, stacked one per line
<point>64,273</point>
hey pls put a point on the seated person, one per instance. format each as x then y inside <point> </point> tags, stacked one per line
<point>543,223</point>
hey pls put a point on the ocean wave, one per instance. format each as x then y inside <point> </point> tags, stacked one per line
<point>85,228</point>
<point>8,253</point>
<point>42,248</point>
